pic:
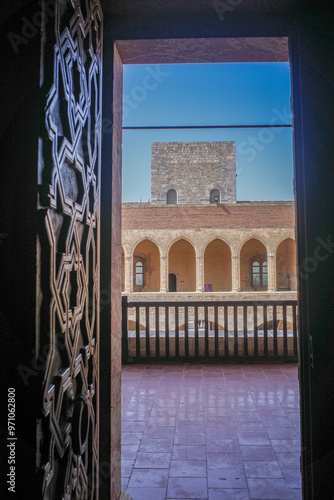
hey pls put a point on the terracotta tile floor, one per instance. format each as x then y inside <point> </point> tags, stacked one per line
<point>210,432</point>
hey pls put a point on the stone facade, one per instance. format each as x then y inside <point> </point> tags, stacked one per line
<point>193,170</point>
<point>200,249</point>
<point>199,238</point>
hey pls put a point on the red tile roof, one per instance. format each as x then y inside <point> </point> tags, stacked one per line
<point>239,215</point>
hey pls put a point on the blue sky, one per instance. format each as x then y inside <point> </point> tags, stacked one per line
<point>211,94</point>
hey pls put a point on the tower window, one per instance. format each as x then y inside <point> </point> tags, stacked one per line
<point>139,274</point>
<point>214,196</point>
<point>171,197</point>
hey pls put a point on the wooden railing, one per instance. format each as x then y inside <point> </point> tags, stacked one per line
<point>198,331</point>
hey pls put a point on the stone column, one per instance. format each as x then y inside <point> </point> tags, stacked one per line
<point>199,273</point>
<point>128,274</point>
<point>163,273</point>
<point>236,273</point>
<point>271,272</point>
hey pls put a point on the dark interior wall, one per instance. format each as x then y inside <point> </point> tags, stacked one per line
<point>199,18</point>
<point>19,129</point>
<point>313,101</point>
<point>309,26</point>
<point>310,29</point>
<point>26,339</point>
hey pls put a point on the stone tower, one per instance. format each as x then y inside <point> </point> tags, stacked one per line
<point>190,173</point>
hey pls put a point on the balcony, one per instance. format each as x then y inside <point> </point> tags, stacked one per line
<point>231,331</point>
<point>210,431</point>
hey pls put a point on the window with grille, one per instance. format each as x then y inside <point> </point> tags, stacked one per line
<point>260,273</point>
<point>256,276</point>
<point>139,274</point>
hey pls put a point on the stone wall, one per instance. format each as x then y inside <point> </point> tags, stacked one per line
<point>214,297</point>
<point>235,239</point>
<point>193,169</point>
<point>240,215</point>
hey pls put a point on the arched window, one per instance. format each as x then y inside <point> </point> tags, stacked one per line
<point>260,274</point>
<point>171,197</point>
<point>214,196</point>
<point>139,279</point>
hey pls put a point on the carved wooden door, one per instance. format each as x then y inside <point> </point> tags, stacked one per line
<point>68,249</point>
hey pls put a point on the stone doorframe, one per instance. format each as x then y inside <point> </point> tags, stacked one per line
<point>117,53</point>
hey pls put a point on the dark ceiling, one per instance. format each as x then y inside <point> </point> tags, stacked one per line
<point>168,19</point>
<point>156,11</point>
<point>130,8</point>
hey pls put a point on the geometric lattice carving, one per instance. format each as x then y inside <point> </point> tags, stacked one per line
<point>70,161</point>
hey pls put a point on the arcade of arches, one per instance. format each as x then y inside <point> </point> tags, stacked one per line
<point>217,265</point>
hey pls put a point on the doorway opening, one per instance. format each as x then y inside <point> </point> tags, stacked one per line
<point>258,269</point>
<point>172,282</point>
<point>239,132</point>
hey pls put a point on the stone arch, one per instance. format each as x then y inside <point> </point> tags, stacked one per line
<point>213,238</point>
<point>252,252</point>
<point>182,263</point>
<point>147,252</point>
<point>254,237</point>
<point>218,265</point>
<point>286,237</point>
<point>169,246</point>
<point>286,269</point>
<point>142,238</point>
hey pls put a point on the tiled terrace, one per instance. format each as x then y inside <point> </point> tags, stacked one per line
<point>210,432</point>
